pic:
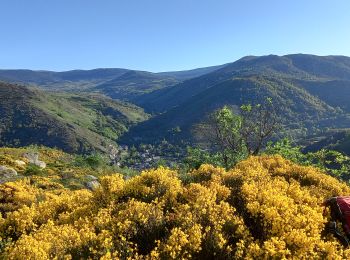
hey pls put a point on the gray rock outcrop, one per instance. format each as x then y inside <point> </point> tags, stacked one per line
<point>6,173</point>
<point>34,159</point>
<point>92,185</point>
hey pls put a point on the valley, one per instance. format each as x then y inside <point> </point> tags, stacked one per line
<point>166,130</point>
<point>311,93</point>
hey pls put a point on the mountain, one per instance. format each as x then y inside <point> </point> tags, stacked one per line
<point>307,69</point>
<point>194,73</point>
<point>68,80</point>
<point>311,92</point>
<point>134,83</point>
<point>115,82</point>
<point>336,140</point>
<point>73,123</point>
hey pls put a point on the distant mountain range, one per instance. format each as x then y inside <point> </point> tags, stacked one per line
<point>311,92</point>
<point>118,83</point>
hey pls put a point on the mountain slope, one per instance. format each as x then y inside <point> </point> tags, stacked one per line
<point>334,92</point>
<point>338,140</point>
<point>311,91</point>
<point>134,83</point>
<point>297,107</point>
<point>304,68</point>
<point>67,121</point>
<point>189,74</point>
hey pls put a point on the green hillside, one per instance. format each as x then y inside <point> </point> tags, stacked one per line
<point>305,69</point>
<point>74,123</point>
<point>334,92</point>
<point>336,140</point>
<point>134,83</point>
<point>298,109</point>
<point>312,94</point>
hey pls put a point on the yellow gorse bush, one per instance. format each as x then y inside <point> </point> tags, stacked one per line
<point>264,208</point>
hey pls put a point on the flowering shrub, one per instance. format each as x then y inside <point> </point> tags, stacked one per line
<point>266,207</point>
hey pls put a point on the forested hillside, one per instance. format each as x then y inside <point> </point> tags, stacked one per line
<point>133,84</point>
<point>336,140</point>
<point>311,93</point>
<point>306,68</point>
<point>74,123</point>
<point>300,112</point>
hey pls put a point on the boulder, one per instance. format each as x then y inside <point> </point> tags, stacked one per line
<point>41,164</point>
<point>20,163</point>
<point>92,185</point>
<point>34,159</point>
<point>91,177</point>
<point>31,156</point>
<point>7,172</point>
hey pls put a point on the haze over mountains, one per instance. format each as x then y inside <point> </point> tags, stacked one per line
<point>311,92</point>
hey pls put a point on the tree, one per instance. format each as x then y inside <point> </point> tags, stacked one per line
<point>226,134</point>
<point>332,162</point>
<point>259,123</point>
<point>237,135</point>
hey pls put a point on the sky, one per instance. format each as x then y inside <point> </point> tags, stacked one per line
<point>165,35</point>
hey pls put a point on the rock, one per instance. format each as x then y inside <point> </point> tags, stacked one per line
<point>34,159</point>
<point>126,177</point>
<point>91,177</point>
<point>7,172</point>
<point>41,164</point>
<point>93,185</point>
<point>31,156</point>
<point>20,162</point>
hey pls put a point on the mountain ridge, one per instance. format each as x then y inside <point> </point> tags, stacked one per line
<point>312,91</point>
<point>291,84</point>
<point>159,101</point>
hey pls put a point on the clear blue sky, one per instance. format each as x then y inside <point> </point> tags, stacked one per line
<point>163,35</point>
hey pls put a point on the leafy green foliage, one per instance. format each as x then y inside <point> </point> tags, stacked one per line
<point>235,136</point>
<point>94,161</point>
<point>333,162</point>
<point>338,140</point>
<point>196,157</point>
<point>33,169</point>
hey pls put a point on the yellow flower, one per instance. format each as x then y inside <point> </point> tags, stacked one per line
<point>264,208</point>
